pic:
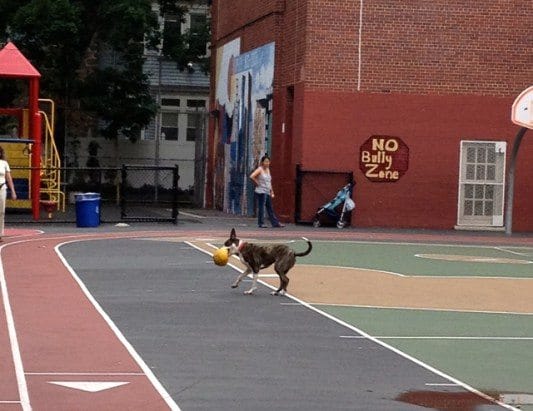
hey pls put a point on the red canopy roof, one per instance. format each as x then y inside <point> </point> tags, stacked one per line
<point>14,64</point>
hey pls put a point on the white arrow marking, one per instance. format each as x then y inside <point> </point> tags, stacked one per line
<point>90,386</point>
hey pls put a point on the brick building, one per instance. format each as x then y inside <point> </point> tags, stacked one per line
<point>412,98</point>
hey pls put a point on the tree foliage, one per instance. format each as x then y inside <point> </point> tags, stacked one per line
<point>183,47</point>
<point>64,40</point>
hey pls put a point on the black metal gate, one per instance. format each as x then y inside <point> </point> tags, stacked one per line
<point>314,188</point>
<point>149,193</point>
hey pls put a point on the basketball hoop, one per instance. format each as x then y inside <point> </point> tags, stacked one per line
<point>522,110</point>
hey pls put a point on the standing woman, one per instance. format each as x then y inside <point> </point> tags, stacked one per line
<point>5,178</point>
<point>264,193</point>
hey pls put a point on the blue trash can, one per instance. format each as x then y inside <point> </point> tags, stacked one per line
<point>87,209</point>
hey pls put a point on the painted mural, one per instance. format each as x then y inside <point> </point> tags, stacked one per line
<point>244,98</point>
<point>225,95</point>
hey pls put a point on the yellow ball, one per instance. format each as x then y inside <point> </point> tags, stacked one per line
<point>221,256</point>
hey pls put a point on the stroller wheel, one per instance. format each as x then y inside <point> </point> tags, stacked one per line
<point>316,223</point>
<point>340,224</point>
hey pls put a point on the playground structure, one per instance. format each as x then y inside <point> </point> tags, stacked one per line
<point>30,147</point>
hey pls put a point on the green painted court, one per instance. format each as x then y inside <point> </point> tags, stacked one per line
<point>491,352</point>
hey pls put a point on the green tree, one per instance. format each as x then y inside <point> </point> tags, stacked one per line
<point>119,94</point>
<point>184,47</point>
<point>64,40</point>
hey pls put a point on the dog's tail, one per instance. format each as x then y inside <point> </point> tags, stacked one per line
<point>309,248</point>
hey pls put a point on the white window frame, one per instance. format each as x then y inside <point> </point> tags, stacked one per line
<point>498,186</point>
<point>165,109</point>
<point>200,111</point>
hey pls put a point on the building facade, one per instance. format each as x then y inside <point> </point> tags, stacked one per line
<point>411,98</point>
<point>177,134</point>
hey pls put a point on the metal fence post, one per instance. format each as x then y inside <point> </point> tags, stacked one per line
<point>175,179</point>
<point>123,178</point>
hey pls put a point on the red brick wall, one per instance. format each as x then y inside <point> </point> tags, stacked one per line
<point>332,45</point>
<point>292,44</point>
<point>431,46</point>
<point>425,47</point>
<point>432,72</point>
<point>238,15</point>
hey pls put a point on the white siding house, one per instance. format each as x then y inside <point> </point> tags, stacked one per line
<point>177,133</point>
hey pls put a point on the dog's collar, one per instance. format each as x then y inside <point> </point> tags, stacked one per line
<point>241,245</point>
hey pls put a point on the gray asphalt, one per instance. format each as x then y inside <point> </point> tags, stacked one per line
<point>214,348</point>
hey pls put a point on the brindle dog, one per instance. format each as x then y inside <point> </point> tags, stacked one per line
<point>256,257</point>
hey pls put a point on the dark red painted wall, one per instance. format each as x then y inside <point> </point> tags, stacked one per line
<point>336,124</point>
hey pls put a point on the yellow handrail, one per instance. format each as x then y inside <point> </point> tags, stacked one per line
<point>51,162</point>
<point>52,110</point>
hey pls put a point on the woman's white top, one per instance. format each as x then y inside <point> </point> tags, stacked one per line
<point>4,169</point>
<point>264,182</point>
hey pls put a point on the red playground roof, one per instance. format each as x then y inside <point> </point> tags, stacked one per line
<point>14,64</point>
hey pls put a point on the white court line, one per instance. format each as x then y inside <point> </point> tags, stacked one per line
<point>438,276</point>
<point>19,236</point>
<point>437,337</point>
<point>137,358</point>
<point>505,250</point>
<point>13,341</point>
<point>368,269</point>
<point>381,307</point>
<point>15,349</point>
<point>193,215</point>
<point>491,247</point>
<point>421,243</point>
<point>471,259</point>
<point>379,342</point>
<point>440,384</point>
<point>459,277</point>
<point>209,244</point>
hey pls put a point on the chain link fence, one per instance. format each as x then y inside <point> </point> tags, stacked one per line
<point>127,193</point>
<point>149,193</point>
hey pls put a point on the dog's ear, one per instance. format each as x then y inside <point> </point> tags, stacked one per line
<point>233,234</point>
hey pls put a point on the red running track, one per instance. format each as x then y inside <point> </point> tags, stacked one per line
<point>57,349</point>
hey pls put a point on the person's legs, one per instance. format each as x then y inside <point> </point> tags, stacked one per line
<point>261,198</point>
<point>270,211</point>
<point>3,194</point>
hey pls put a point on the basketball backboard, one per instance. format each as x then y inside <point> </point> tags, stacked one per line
<point>522,110</point>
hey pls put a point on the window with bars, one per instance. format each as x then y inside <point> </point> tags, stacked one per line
<point>481,183</point>
<point>195,118</point>
<point>479,200</point>
<point>180,119</point>
<point>169,126</point>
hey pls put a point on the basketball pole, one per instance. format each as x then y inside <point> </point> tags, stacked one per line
<point>510,179</point>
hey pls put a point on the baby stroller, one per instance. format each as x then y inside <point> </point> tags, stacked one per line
<point>338,210</point>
